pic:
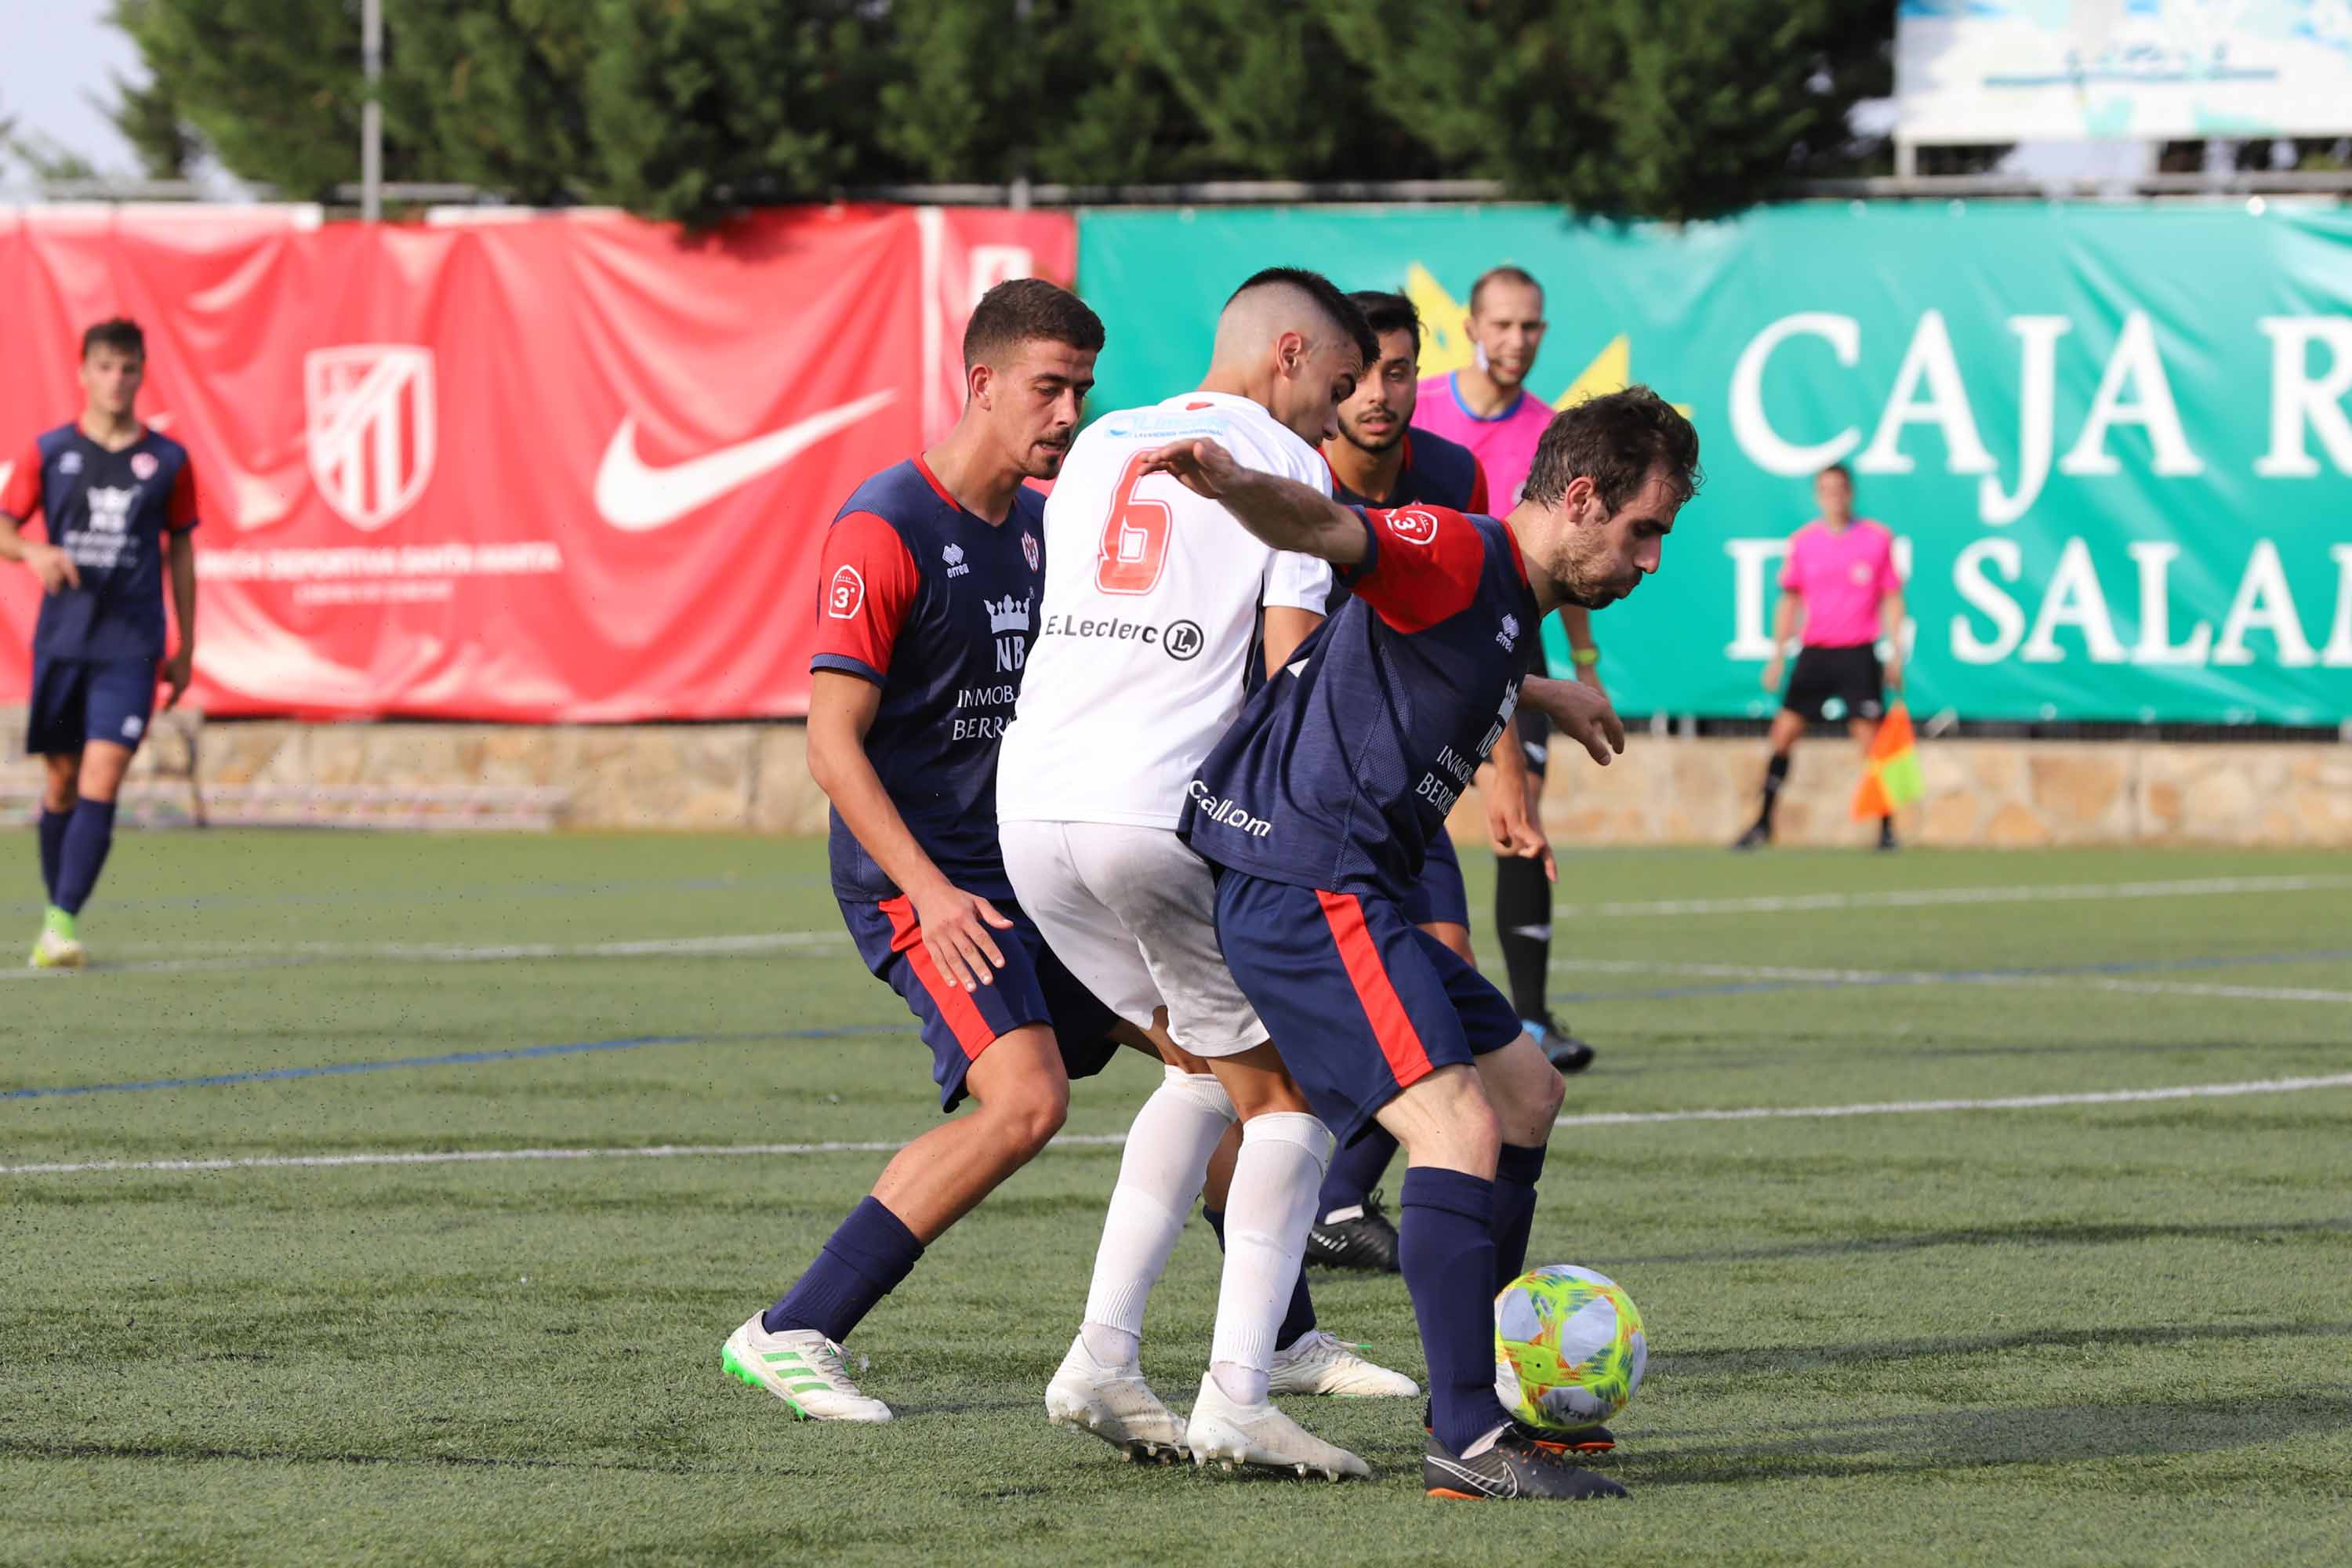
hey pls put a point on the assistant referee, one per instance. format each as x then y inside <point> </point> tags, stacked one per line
<point>1840,584</point>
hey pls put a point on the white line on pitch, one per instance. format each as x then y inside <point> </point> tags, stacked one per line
<point>1113,1140</point>
<point>1783,903</point>
<point>2010,1102</point>
<point>296,954</point>
<point>1946,977</point>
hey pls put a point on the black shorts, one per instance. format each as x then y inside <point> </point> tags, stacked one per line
<point>1849,674</point>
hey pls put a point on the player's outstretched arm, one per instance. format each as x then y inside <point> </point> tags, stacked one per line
<point>955,923</point>
<point>1283,512</point>
<point>1581,712</point>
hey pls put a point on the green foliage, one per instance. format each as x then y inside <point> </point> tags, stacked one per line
<point>686,108</point>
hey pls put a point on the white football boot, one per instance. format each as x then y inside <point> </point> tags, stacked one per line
<point>1114,1403</point>
<point>1260,1435</point>
<point>801,1367</point>
<point>55,951</point>
<point>1318,1364</point>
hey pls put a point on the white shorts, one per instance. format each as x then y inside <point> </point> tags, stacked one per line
<point>1132,912</point>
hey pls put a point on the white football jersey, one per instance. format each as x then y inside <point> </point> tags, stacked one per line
<point>1148,617</point>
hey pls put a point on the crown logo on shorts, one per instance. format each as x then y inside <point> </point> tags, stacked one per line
<point>1009,613</point>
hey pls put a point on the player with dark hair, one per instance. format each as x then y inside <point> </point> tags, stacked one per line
<point>1486,407</point>
<point>1318,807</point>
<point>931,580</point>
<point>117,501</point>
<point>1378,459</point>
<point>1840,584</point>
<point>1155,603</point>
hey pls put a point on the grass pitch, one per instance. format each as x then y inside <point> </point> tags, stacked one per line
<point>2067,1331</point>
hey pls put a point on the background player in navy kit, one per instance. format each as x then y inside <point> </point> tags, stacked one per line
<point>1377,459</point>
<point>1320,805</point>
<point>115,499</point>
<point>932,576</point>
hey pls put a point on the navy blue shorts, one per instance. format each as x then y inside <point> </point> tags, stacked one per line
<point>77,701</point>
<point>1439,896</point>
<point>1362,1005</point>
<point>957,1025</point>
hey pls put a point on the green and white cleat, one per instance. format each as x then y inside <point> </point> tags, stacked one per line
<point>57,948</point>
<point>1115,1404</point>
<point>801,1367</point>
<point>1318,1363</point>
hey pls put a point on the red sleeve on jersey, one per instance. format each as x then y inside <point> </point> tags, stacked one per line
<point>20,498</point>
<point>867,583</point>
<point>180,513</point>
<point>1424,565</point>
<point>1478,486</point>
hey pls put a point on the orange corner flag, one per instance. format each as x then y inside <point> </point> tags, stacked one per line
<point>1893,776</point>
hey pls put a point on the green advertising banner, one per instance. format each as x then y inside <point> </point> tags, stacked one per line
<point>2114,444</point>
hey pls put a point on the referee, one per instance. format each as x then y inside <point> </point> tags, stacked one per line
<point>1840,584</point>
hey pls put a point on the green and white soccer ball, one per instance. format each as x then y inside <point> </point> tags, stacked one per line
<point>1568,1350</point>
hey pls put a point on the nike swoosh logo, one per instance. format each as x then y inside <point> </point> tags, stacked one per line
<point>637,499</point>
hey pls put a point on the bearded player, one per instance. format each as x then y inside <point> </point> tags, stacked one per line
<point>931,577</point>
<point>118,501</point>
<point>1486,405</point>
<point>1378,459</point>
<point>1153,603</point>
<point>1318,807</point>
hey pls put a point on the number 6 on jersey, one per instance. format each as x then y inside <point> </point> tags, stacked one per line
<point>1135,537</point>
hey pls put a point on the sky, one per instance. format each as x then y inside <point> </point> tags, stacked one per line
<point>55,54</point>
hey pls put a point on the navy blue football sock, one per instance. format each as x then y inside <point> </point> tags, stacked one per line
<point>1300,1319</point>
<point>1445,1245</point>
<point>863,1262</point>
<point>1516,1174</point>
<point>1354,1171</point>
<point>89,834</point>
<point>53,847</point>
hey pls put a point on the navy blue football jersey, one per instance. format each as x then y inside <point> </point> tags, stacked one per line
<point>110,511</point>
<point>1437,472</point>
<point>936,608</point>
<point>1342,768</point>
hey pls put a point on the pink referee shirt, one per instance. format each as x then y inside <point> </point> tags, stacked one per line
<point>1841,575</point>
<point>1504,444</point>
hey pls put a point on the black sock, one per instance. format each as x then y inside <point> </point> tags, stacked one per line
<point>53,847</point>
<point>1776,774</point>
<point>1887,830</point>
<point>1523,930</point>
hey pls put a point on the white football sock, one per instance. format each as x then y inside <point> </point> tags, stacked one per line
<point>1268,1215</point>
<point>1160,1173</point>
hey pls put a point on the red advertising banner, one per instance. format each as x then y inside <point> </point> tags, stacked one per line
<point>534,467</point>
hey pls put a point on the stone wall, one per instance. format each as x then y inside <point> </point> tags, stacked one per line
<point>2009,795</point>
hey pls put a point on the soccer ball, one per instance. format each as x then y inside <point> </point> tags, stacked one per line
<point>1568,1350</point>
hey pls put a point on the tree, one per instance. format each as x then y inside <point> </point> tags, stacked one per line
<point>148,113</point>
<point>1668,109</point>
<point>274,87</point>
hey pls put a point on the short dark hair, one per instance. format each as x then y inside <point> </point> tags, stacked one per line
<point>1617,441</point>
<point>1385,313</point>
<point>1025,310</point>
<point>1840,470</point>
<point>119,333</point>
<point>1506,273</point>
<point>1344,312</point>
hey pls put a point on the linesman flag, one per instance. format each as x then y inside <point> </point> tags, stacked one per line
<point>1893,777</point>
